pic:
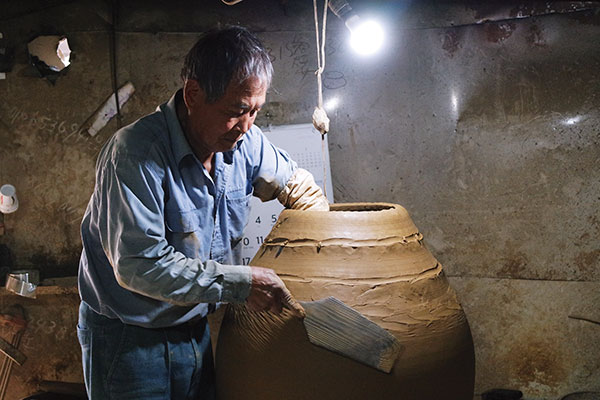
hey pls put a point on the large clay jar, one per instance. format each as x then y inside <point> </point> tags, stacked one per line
<point>370,256</point>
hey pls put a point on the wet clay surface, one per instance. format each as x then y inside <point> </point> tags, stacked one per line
<point>375,262</point>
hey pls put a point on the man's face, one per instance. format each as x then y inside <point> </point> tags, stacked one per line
<point>216,127</point>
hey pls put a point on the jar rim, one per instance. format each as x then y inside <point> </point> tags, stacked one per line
<point>361,207</point>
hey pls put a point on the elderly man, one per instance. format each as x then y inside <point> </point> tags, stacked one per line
<point>171,200</point>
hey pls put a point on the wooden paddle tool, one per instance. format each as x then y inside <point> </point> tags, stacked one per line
<point>333,325</point>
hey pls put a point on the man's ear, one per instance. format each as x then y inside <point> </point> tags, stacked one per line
<point>192,93</point>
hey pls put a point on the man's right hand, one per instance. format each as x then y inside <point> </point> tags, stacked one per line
<point>269,293</point>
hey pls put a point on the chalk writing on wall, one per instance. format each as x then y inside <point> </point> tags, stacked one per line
<point>302,54</point>
<point>41,123</point>
<point>37,327</point>
<point>72,214</point>
<point>297,50</point>
<point>334,80</point>
<point>69,133</point>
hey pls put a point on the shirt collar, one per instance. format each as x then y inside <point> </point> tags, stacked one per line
<point>179,144</point>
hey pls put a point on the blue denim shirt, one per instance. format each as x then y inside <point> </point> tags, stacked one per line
<point>158,231</point>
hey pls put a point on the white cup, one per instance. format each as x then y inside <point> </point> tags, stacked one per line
<point>8,199</point>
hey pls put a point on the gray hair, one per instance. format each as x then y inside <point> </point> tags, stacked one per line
<point>226,56</point>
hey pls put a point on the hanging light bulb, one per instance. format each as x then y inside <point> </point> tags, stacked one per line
<point>366,37</point>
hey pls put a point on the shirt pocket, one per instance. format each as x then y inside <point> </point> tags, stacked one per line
<point>238,212</point>
<point>183,231</point>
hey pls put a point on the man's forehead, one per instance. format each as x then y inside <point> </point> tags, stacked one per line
<point>244,96</point>
<point>250,86</point>
<point>247,105</point>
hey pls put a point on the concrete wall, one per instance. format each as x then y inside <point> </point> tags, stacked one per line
<point>487,132</point>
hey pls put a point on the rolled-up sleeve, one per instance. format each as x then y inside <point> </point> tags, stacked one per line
<point>132,233</point>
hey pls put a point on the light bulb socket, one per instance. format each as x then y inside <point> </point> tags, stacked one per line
<point>352,22</point>
<point>341,9</point>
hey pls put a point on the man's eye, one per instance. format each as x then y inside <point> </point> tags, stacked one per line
<point>237,113</point>
<point>241,112</point>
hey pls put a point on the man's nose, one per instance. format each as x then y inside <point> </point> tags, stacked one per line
<point>245,122</point>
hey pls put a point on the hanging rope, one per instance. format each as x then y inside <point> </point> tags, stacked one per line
<point>320,119</point>
<point>320,49</point>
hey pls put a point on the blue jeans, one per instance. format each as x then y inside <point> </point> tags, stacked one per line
<point>123,361</point>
